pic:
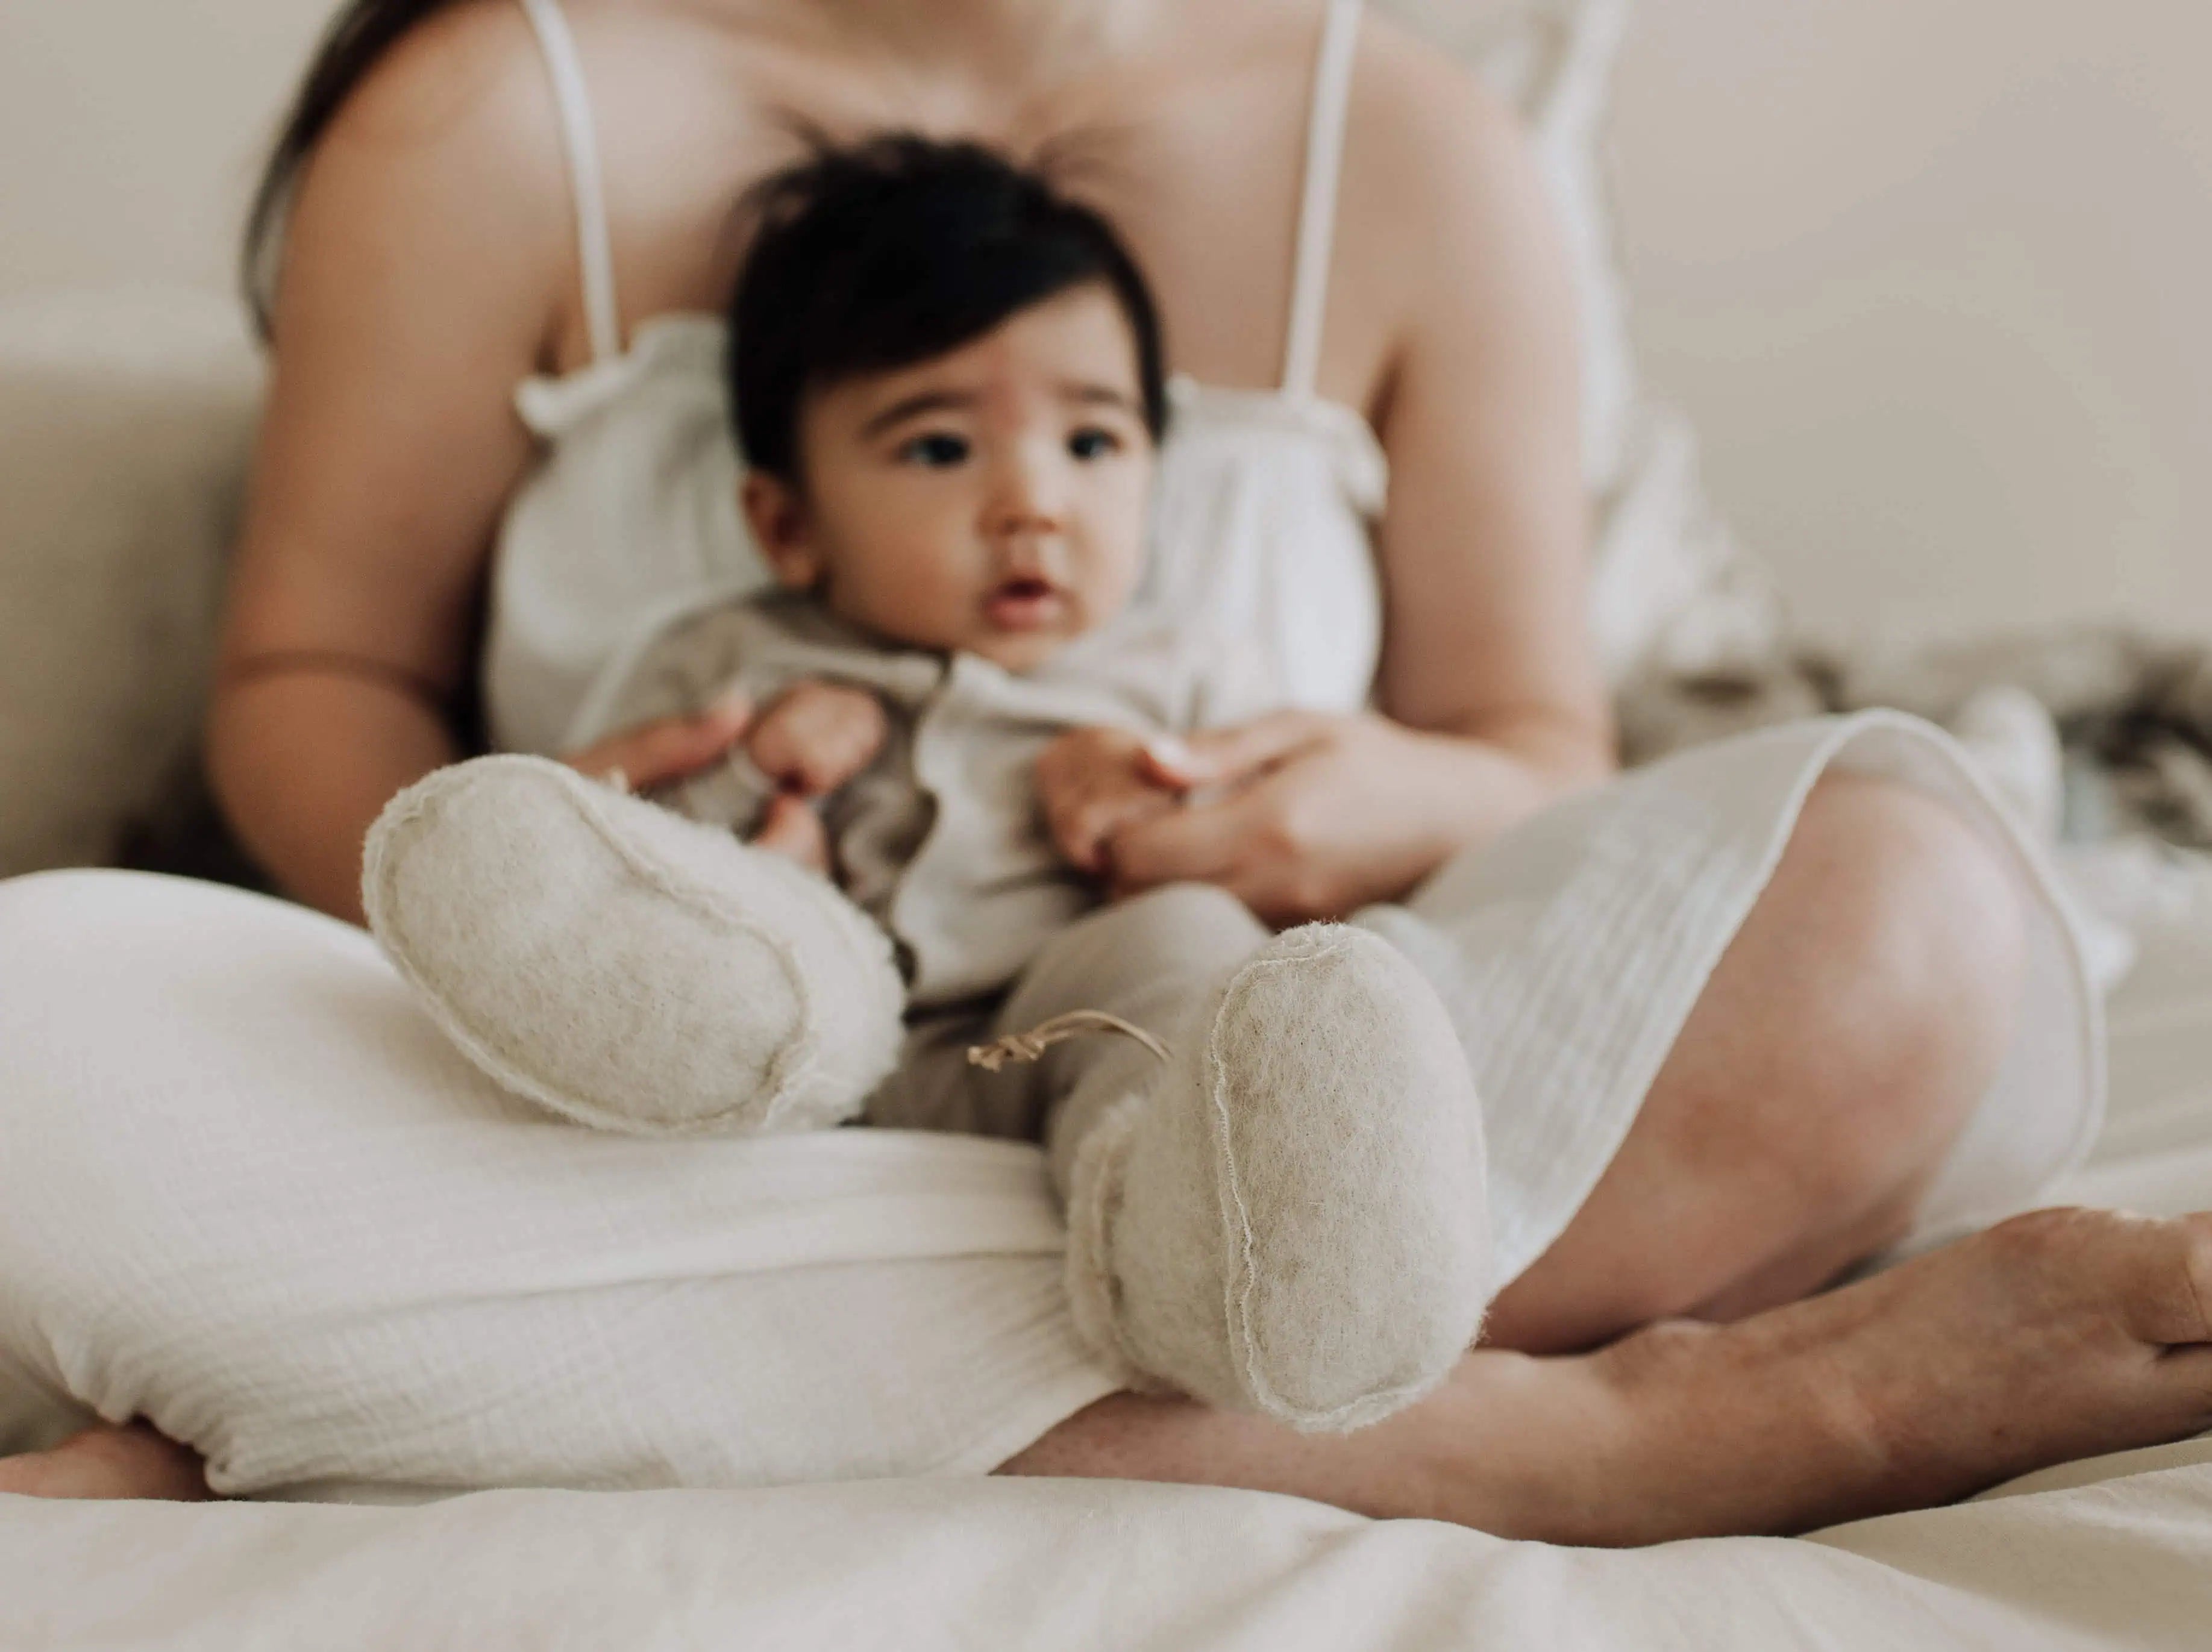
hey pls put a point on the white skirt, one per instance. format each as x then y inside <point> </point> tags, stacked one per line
<point>247,1192</point>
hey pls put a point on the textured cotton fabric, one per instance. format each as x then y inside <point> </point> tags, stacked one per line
<point>1097,1566</point>
<point>249,1191</point>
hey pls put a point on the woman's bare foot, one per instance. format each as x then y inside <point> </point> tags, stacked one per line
<point>2057,1335</point>
<point>106,1461</point>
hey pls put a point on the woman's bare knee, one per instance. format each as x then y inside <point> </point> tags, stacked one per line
<point>1905,931</point>
<point>1921,924</point>
<point>1851,1030</point>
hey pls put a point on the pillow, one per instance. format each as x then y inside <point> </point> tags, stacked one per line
<point>125,420</point>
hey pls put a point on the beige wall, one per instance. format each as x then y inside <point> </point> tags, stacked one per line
<point>1935,277</point>
<point>1932,274</point>
<point>130,131</point>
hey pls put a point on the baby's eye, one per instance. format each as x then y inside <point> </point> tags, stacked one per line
<point>1093,444</point>
<point>939,452</point>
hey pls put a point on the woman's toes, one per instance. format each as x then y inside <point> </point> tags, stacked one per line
<point>2055,1335</point>
<point>2161,1278</point>
<point>2145,1280</point>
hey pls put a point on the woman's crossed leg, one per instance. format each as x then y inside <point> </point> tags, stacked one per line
<point>1905,1389</point>
<point>1837,1052</point>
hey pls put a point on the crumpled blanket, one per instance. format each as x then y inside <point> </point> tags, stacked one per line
<point>2100,736</point>
<point>2130,715</point>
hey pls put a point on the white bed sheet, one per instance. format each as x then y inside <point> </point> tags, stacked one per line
<point>984,1565</point>
<point>2116,1551</point>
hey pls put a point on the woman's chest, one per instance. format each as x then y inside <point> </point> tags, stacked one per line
<point>1197,153</point>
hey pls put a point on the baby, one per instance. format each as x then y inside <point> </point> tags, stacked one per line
<point>950,396</point>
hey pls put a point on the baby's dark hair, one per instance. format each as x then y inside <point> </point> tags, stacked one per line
<point>899,250</point>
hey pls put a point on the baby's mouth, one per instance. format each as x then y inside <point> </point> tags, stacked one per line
<point>1024,603</point>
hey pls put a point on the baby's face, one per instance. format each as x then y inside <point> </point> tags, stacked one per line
<point>992,500</point>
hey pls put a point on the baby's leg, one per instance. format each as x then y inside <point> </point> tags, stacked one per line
<point>1287,1215</point>
<point>625,967</point>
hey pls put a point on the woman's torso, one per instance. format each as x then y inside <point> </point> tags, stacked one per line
<point>1203,147</point>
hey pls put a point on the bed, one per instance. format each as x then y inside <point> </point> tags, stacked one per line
<point>2113,1551</point>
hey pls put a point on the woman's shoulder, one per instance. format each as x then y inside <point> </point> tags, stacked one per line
<point>1438,169</point>
<point>449,146</point>
<point>466,85</point>
<point>1411,99</point>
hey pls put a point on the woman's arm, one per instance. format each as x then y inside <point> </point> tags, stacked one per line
<point>1484,549</point>
<point>423,280</point>
<point>1493,704</point>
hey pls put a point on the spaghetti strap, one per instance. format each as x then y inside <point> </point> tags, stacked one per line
<point>572,99</point>
<point>1317,215</point>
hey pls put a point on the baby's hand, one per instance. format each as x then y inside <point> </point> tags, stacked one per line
<point>1093,783</point>
<point>816,737</point>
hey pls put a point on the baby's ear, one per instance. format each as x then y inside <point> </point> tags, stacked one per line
<point>777,517</point>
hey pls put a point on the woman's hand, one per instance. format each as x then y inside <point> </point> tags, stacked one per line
<point>1306,816</point>
<point>662,753</point>
<point>1095,783</point>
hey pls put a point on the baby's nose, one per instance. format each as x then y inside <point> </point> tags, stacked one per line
<point>1030,488</point>
<point>1033,554</point>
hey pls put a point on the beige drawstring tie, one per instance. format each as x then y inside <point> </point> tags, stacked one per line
<point>1031,1046</point>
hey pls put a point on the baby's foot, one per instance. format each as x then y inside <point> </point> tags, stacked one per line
<point>625,967</point>
<point>1293,1219</point>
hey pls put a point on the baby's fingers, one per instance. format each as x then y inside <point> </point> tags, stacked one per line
<point>1076,821</point>
<point>793,829</point>
<point>815,745</point>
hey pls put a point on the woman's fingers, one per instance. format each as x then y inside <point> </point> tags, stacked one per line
<point>1086,839</point>
<point>1204,844</point>
<point>1246,843</point>
<point>669,749</point>
<point>1216,756</point>
<point>1089,785</point>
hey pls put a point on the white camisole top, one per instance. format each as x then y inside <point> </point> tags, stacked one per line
<point>1261,515</point>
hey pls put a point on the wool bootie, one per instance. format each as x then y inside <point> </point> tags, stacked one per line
<point>1293,1218</point>
<point>623,966</point>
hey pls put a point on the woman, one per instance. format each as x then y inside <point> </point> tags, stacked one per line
<point>1777,1008</point>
